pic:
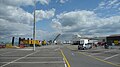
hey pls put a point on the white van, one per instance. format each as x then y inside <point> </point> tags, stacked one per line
<point>84,45</point>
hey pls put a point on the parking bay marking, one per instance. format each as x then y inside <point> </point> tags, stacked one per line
<point>111,57</point>
<point>99,59</point>
<point>37,62</point>
<point>7,52</point>
<point>18,59</point>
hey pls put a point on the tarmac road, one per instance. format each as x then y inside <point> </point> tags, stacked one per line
<point>79,59</point>
<point>51,56</point>
<point>45,56</point>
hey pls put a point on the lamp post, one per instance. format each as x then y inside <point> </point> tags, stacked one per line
<point>34,35</point>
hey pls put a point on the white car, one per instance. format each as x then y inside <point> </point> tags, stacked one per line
<point>85,46</point>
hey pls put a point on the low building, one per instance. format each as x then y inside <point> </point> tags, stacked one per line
<point>113,39</point>
<point>77,40</point>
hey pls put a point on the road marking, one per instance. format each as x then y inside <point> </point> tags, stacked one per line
<point>109,50</point>
<point>38,62</point>
<point>99,59</point>
<point>111,57</point>
<point>96,54</point>
<point>18,59</point>
<point>65,65</point>
<point>24,49</point>
<point>68,65</point>
<point>45,57</point>
<point>57,49</point>
<point>7,52</point>
<point>73,54</point>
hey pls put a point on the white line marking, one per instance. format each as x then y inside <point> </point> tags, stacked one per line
<point>111,57</point>
<point>45,57</point>
<point>7,52</point>
<point>56,49</point>
<point>18,59</point>
<point>24,49</point>
<point>38,62</point>
<point>65,65</point>
<point>96,54</point>
<point>110,50</point>
<point>73,54</point>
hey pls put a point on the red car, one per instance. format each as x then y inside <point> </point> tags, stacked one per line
<point>2,46</point>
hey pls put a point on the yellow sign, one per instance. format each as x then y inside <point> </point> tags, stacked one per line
<point>37,42</point>
<point>116,42</point>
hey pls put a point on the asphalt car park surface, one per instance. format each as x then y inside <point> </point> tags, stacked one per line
<point>46,56</point>
<point>110,56</point>
<point>59,56</point>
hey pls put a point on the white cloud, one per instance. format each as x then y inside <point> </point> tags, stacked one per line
<point>86,22</point>
<point>10,29</point>
<point>43,35</point>
<point>63,1</point>
<point>15,14</point>
<point>17,2</point>
<point>14,21</point>
<point>23,2</point>
<point>56,24</point>
<point>40,14</point>
<point>112,2</point>
<point>118,8</point>
<point>108,8</point>
<point>108,4</point>
<point>43,2</point>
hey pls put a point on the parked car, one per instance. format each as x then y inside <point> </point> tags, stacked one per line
<point>2,46</point>
<point>85,46</point>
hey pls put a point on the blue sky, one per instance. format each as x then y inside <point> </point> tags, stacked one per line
<point>67,17</point>
<point>70,5</point>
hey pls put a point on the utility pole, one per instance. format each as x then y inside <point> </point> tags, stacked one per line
<point>34,35</point>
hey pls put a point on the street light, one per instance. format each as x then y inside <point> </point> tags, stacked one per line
<point>34,27</point>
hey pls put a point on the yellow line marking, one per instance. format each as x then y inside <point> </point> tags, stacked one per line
<point>65,58</point>
<point>100,59</point>
<point>97,58</point>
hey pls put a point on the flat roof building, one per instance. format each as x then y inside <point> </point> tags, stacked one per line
<point>113,39</point>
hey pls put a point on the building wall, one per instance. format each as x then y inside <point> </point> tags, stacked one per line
<point>115,40</point>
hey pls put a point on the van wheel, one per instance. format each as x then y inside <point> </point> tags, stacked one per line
<point>84,48</point>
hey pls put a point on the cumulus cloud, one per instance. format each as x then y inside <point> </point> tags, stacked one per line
<point>47,14</point>
<point>14,21</point>
<point>43,2</point>
<point>108,8</point>
<point>9,29</point>
<point>46,35</point>
<point>109,4</point>
<point>87,23</point>
<point>63,1</point>
<point>23,2</point>
<point>15,14</point>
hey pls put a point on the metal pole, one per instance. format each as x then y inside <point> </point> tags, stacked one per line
<point>34,27</point>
